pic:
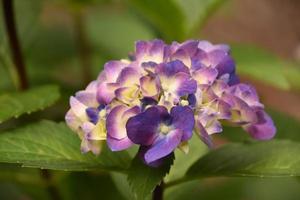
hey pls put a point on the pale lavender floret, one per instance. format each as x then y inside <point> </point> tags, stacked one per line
<point>216,59</point>
<point>175,79</point>
<point>263,129</point>
<point>247,93</point>
<point>205,75</point>
<point>117,138</point>
<point>145,129</point>
<point>260,126</point>
<point>207,119</point>
<point>83,118</point>
<point>153,51</point>
<point>208,47</point>
<point>189,46</point>
<point>128,75</point>
<point>107,81</point>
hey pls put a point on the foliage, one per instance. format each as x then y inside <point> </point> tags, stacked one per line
<point>15,104</point>
<point>49,145</point>
<point>51,52</point>
<point>143,178</point>
<point>261,159</point>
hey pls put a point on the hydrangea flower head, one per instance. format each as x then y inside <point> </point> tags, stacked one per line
<point>163,94</point>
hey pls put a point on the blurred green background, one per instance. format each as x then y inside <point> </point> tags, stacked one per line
<point>67,42</point>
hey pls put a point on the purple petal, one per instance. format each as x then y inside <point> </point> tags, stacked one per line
<point>247,93</point>
<point>264,129</point>
<point>183,119</point>
<point>87,98</point>
<point>223,109</point>
<point>116,120</point>
<point>233,79</point>
<point>192,100</point>
<point>171,68</point>
<point>207,46</point>
<point>190,46</point>
<point>156,163</point>
<point>128,77</point>
<point>94,131</point>
<point>202,133</point>
<point>112,70</point>
<point>186,85</point>
<point>106,92</point>
<point>92,113</point>
<point>216,57</point>
<point>205,75</point>
<point>219,87</point>
<point>72,120</point>
<point>78,109</point>
<point>118,144</point>
<point>146,51</point>
<point>149,86</point>
<point>214,127</point>
<point>142,128</point>
<point>94,146</point>
<point>226,66</point>
<point>182,56</point>
<point>241,112</point>
<point>163,146</point>
<point>128,95</point>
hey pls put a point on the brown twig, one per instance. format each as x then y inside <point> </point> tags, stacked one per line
<point>52,190</point>
<point>15,48</point>
<point>158,192</point>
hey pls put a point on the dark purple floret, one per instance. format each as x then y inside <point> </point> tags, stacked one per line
<point>92,114</point>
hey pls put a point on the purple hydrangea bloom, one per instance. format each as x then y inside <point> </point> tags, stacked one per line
<point>163,94</point>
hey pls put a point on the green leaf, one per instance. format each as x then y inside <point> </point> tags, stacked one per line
<point>236,188</point>
<point>165,16</point>
<point>261,65</point>
<point>122,185</point>
<point>293,75</point>
<point>103,29</point>
<point>175,19</point>
<point>88,186</point>
<point>16,104</point>
<point>50,145</point>
<point>275,158</point>
<point>197,12</point>
<point>183,161</point>
<point>143,178</point>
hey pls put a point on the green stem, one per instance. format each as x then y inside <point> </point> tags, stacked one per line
<point>15,47</point>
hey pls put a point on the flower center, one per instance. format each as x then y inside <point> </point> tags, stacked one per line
<point>184,102</point>
<point>102,113</point>
<point>164,129</point>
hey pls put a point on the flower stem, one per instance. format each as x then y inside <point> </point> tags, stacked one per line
<point>14,44</point>
<point>158,192</point>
